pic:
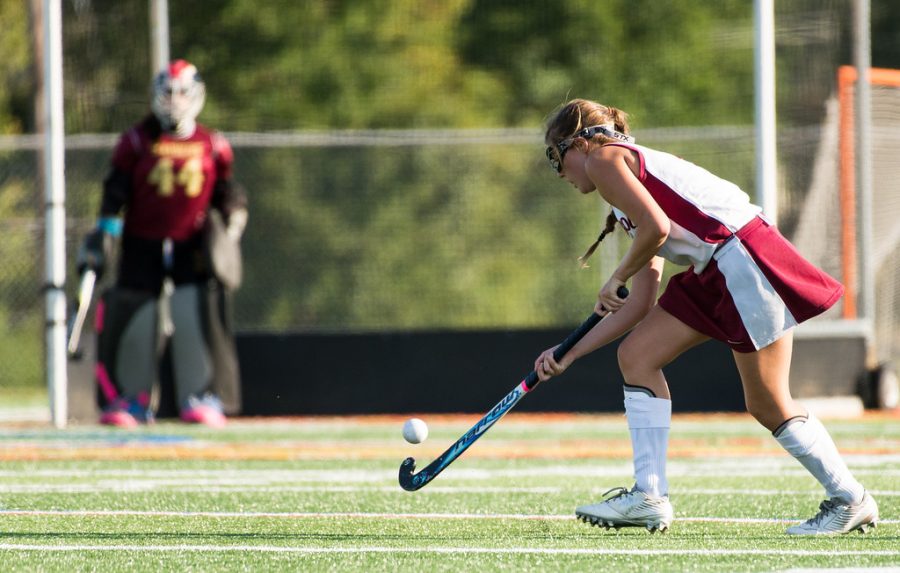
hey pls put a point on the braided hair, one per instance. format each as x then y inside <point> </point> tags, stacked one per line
<point>608,228</point>
<point>571,118</point>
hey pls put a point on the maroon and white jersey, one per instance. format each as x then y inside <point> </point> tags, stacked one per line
<point>172,180</point>
<point>749,285</point>
<point>704,210</point>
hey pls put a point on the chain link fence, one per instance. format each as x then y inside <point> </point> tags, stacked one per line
<point>393,229</point>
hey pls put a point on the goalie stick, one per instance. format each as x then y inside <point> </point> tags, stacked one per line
<point>85,294</point>
<point>413,482</point>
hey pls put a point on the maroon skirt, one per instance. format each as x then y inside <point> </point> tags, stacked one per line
<point>755,289</point>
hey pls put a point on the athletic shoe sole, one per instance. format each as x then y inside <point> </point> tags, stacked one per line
<point>652,525</point>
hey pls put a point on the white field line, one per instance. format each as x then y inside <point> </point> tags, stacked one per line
<point>367,515</point>
<point>131,487</point>
<point>443,550</point>
<point>722,467</point>
<point>864,447</point>
<point>616,421</point>
<point>613,424</point>
<point>226,486</point>
<point>275,477</point>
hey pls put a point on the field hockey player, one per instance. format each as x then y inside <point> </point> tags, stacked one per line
<point>747,287</point>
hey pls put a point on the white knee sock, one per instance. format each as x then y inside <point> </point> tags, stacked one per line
<point>649,419</point>
<point>809,442</point>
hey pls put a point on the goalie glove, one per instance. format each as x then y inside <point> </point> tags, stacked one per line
<point>97,248</point>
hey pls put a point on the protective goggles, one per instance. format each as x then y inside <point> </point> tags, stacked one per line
<point>556,153</point>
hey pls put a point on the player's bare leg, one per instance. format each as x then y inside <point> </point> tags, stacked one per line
<point>658,340</point>
<point>655,342</point>
<point>765,377</point>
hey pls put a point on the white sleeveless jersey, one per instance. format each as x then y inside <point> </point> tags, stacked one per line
<point>704,210</point>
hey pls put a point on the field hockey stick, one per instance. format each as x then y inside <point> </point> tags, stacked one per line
<point>411,482</point>
<point>85,294</point>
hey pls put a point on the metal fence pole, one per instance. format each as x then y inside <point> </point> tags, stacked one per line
<point>55,214</point>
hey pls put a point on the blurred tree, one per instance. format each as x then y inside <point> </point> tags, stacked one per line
<point>663,62</point>
<point>405,63</point>
<point>16,81</point>
<point>397,235</point>
<point>348,65</point>
<point>106,72</point>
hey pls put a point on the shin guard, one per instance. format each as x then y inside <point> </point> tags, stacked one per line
<point>649,419</point>
<point>809,442</point>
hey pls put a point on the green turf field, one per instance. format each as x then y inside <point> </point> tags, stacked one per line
<point>322,495</point>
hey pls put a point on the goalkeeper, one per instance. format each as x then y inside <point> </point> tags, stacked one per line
<point>170,200</point>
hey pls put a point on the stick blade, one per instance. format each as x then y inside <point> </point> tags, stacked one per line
<point>407,481</point>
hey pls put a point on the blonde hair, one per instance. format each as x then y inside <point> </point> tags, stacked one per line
<point>571,118</point>
<point>577,114</point>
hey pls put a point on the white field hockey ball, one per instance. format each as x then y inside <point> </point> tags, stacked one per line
<point>415,431</point>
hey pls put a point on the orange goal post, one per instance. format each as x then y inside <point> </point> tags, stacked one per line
<point>827,227</point>
<point>884,173</point>
<point>847,77</point>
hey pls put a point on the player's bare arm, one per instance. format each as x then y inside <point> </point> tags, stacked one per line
<point>641,299</point>
<point>613,170</point>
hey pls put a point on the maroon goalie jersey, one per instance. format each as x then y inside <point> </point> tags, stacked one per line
<point>172,180</point>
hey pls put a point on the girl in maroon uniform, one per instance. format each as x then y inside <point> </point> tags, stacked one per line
<point>746,286</point>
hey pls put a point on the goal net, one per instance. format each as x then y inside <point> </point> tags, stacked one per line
<point>827,229</point>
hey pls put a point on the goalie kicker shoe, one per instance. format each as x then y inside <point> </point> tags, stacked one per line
<point>628,509</point>
<point>128,412</point>
<point>835,516</point>
<point>203,409</point>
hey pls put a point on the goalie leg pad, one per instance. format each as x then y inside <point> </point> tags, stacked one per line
<point>218,330</point>
<point>126,344</point>
<point>191,359</point>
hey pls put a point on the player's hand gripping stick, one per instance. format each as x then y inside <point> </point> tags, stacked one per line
<point>412,482</point>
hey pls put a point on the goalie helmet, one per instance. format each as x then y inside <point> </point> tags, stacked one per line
<point>178,96</point>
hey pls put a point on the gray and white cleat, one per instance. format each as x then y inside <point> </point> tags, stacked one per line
<point>626,508</point>
<point>837,517</point>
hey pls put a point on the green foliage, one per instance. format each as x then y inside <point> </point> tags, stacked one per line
<point>404,63</point>
<point>354,238</point>
<point>407,236</point>
<point>20,329</point>
<point>437,236</point>
<point>347,65</point>
<point>16,84</point>
<point>657,60</point>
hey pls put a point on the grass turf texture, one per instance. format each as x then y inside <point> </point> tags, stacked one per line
<point>321,494</point>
